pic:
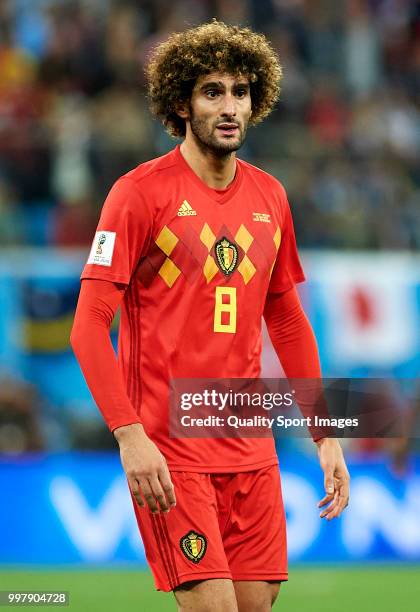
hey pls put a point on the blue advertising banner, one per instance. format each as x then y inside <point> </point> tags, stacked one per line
<point>75,508</point>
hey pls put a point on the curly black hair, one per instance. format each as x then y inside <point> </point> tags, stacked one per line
<point>176,64</point>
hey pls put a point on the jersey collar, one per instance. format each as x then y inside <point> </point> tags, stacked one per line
<point>221,196</point>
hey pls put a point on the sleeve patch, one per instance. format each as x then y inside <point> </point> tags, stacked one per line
<point>102,249</point>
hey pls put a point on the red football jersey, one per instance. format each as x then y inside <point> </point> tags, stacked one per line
<point>198,263</point>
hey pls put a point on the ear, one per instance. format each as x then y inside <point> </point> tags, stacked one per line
<point>182,110</point>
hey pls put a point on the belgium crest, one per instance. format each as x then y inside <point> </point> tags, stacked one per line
<point>194,546</point>
<point>226,255</point>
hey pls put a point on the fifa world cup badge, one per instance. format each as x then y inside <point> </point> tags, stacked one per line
<point>101,241</point>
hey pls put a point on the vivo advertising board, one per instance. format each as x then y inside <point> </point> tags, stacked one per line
<point>75,508</point>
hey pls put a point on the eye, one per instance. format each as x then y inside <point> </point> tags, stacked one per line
<point>211,93</point>
<point>241,93</point>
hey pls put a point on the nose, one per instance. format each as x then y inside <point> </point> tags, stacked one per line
<point>229,105</point>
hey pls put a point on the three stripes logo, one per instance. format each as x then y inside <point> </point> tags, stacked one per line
<point>185,210</point>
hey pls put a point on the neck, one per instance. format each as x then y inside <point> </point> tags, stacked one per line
<point>217,171</point>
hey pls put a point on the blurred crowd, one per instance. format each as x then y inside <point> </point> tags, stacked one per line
<point>344,139</point>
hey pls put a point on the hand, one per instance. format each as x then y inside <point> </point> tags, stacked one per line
<point>146,469</point>
<point>336,478</point>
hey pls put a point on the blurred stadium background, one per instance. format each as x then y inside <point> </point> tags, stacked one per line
<point>345,141</point>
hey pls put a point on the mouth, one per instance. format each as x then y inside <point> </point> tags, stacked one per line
<point>228,129</point>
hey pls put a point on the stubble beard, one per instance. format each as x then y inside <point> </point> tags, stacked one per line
<point>207,140</point>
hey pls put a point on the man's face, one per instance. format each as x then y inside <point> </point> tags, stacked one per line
<point>219,112</point>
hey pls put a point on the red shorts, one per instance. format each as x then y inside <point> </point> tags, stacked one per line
<point>223,526</point>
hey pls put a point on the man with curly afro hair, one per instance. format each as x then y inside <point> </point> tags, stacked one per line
<point>196,247</point>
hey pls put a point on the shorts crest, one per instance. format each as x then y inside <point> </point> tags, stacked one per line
<point>194,546</point>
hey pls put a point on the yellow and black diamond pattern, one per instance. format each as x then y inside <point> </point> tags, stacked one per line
<point>167,242</point>
<point>210,268</point>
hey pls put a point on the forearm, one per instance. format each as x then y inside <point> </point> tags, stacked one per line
<point>92,346</point>
<point>292,335</point>
<point>296,347</point>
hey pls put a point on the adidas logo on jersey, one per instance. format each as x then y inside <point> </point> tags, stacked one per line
<point>185,210</point>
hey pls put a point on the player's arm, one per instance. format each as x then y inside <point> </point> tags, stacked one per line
<point>145,467</point>
<point>295,344</point>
